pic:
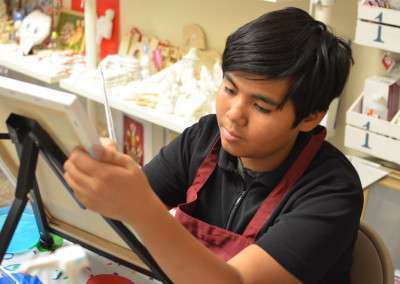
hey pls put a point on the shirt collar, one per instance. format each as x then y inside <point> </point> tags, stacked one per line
<point>230,163</point>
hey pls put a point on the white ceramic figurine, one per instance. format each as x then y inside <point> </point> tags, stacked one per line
<point>34,30</point>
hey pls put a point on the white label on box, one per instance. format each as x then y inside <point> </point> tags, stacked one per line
<point>374,144</point>
<point>377,35</point>
<point>382,15</point>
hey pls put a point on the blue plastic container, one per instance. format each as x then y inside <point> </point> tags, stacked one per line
<point>26,235</point>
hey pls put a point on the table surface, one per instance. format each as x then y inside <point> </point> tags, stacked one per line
<point>98,266</point>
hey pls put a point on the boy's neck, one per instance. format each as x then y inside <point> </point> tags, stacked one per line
<point>270,162</point>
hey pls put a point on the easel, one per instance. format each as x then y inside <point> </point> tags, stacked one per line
<point>31,139</point>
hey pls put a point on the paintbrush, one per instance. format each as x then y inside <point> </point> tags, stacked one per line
<point>109,119</point>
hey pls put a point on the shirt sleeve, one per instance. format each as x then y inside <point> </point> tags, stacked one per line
<point>167,172</point>
<point>172,170</point>
<point>317,231</point>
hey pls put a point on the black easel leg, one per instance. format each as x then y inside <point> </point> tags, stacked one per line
<point>46,239</point>
<point>26,177</point>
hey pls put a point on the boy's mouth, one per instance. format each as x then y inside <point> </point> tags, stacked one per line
<point>229,135</point>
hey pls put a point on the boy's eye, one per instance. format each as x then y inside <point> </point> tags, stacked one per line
<point>261,109</point>
<point>229,91</point>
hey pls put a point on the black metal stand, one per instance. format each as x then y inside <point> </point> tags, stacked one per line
<point>28,153</point>
<point>30,140</point>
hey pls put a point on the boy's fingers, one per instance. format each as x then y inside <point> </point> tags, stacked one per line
<point>78,191</point>
<point>79,178</point>
<point>111,156</point>
<point>108,143</point>
<point>83,162</point>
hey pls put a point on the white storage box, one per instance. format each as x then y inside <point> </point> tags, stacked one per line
<point>376,137</point>
<point>378,27</point>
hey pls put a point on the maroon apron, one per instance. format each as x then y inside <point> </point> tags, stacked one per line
<point>227,244</point>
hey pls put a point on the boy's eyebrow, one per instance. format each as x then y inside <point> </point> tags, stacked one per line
<point>264,98</point>
<point>229,78</point>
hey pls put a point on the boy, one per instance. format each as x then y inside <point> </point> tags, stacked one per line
<point>261,197</point>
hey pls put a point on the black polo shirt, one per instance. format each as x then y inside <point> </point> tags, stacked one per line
<point>311,233</point>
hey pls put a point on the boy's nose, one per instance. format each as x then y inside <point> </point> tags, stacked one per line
<point>237,114</point>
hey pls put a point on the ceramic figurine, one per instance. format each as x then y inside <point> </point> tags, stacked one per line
<point>145,62</point>
<point>209,87</point>
<point>119,70</point>
<point>391,63</point>
<point>124,45</point>
<point>193,37</point>
<point>75,40</point>
<point>34,30</point>
<point>167,97</point>
<point>73,260</point>
<point>170,54</point>
<point>135,48</point>
<point>177,89</point>
<point>17,18</point>
<point>6,26</point>
<point>105,26</point>
<point>206,81</point>
<point>189,105</point>
<point>187,67</point>
<point>217,73</point>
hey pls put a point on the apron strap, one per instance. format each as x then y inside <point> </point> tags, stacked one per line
<point>279,192</point>
<point>204,172</point>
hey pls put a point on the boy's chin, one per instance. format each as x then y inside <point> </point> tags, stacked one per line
<point>234,150</point>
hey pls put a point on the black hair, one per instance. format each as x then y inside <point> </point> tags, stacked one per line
<point>290,44</point>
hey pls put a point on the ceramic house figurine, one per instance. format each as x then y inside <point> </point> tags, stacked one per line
<point>105,26</point>
<point>34,30</point>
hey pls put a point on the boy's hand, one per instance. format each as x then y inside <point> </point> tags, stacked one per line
<point>112,185</point>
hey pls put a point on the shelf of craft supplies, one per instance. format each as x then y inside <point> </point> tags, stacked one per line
<point>29,65</point>
<point>378,27</point>
<point>94,91</point>
<point>373,136</point>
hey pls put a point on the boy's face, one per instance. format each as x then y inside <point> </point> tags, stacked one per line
<point>251,125</point>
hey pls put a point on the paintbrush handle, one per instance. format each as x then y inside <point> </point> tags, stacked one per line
<point>109,119</point>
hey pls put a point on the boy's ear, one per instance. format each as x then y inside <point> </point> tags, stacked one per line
<point>311,121</point>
